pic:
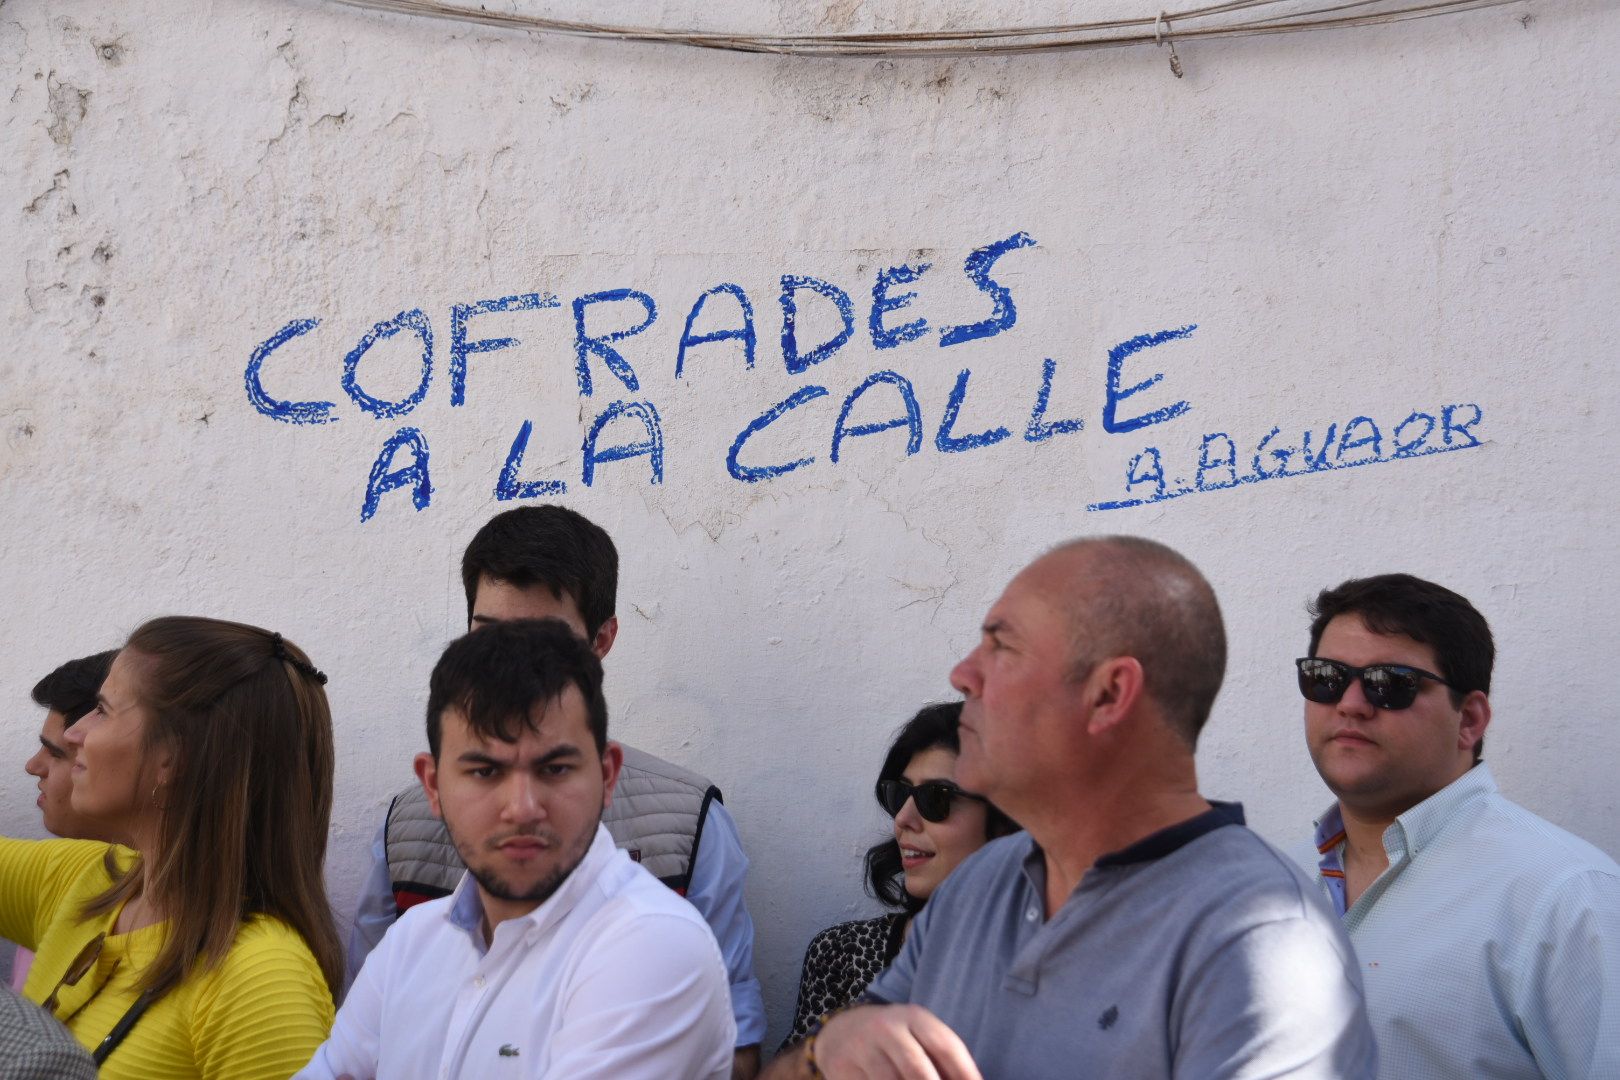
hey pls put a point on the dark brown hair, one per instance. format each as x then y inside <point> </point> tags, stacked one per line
<point>71,689</point>
<point>547,545</point>
<point>244,817</point>
<point>497,675</point>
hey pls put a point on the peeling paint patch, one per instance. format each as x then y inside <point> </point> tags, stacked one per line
<point>14,46</point>
<point>36,296</point>
<point>58,182</point>
<point>574,95</point>
<point>297,104</point>
<point>68,106</point>
<point>841,15</point>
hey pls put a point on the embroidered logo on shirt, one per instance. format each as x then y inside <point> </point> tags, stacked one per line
<point>1106,1020</point>
<point>508,1050</point>
<point>634,853</point>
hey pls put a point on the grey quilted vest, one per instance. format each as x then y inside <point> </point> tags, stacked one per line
<point>657,816</point>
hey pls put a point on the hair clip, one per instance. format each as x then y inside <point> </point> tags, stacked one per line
<point>278,649</point>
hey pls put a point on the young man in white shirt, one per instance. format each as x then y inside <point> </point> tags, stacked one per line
<point>546,561</point>
<point>1489,939</point>
<point>556,956</point>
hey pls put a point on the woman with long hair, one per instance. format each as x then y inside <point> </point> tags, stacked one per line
<point>200,944</point>
<point>936,826</point>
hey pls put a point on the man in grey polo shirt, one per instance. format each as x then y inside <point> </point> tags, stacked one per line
<point>1136,930</point>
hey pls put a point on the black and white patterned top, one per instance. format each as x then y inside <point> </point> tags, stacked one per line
<point>33,1046</point>
<point>839,964</point>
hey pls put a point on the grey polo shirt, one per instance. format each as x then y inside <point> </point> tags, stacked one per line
<point>1199,952</point>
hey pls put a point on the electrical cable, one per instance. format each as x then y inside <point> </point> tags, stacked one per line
<point>1235,18</point>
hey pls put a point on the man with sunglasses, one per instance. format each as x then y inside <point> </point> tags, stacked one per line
<point>1489,939</point>
<point>1135,929</point>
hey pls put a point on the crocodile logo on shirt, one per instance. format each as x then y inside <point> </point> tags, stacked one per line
<point>1106,1020</point>
<point>508,1050</point>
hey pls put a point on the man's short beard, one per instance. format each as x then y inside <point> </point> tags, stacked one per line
<point>540,891</point>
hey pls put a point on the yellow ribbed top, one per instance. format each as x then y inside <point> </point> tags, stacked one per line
<point>258,1016</point>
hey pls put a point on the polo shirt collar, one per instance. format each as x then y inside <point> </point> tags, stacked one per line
<point>1166,841</point>
<point>466,910</point>
<point>1169,840</point>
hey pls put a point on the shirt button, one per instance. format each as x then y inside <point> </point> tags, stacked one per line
<point>1032,914</point>
<point>479,982</point>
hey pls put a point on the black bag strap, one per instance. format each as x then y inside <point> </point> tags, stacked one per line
<point>123,1027</point>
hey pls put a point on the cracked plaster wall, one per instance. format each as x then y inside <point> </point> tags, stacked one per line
<point>1359,223</point>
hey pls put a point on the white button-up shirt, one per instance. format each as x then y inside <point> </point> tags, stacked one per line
<point>613,977</point>
<point>1490,947</point>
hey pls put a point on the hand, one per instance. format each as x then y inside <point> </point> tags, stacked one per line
<point>892,1042</point>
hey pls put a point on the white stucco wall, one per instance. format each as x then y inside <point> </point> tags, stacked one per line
<point>1360,224</point>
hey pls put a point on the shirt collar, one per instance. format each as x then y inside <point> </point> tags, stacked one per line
<point>1423,822</point>
<point>1170,840</point>
<point>466,910</point>
<point>1329,829</point>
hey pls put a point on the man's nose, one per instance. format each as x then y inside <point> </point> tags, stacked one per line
<point>35,766</point>
<point>965,675</point>
<point>523,800</point>
<point>1354,702</point>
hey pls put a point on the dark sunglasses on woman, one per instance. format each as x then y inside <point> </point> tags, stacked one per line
<point>1385,686</point>
<point>933,797</point>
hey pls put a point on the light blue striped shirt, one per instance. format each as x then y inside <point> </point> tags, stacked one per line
<point>1490,947</point>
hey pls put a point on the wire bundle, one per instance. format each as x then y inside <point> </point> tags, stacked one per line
<point>1236,18</point>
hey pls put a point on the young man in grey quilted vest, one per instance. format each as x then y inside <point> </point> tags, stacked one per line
<point>539,562</point>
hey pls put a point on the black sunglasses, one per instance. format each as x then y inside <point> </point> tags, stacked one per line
<point>1385,686</point>
<point>933,797</point>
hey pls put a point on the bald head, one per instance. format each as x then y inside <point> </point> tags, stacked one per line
<point>1127,596</point>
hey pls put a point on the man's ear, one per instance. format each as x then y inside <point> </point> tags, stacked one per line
<point>606,634</point>
<point>427,771</point>
<point>612,762</point>
<point>1474,718</point>
<point>1112,690</point>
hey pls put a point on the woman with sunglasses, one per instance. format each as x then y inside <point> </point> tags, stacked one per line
<point>200,944</point>
<point>936,826</point>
